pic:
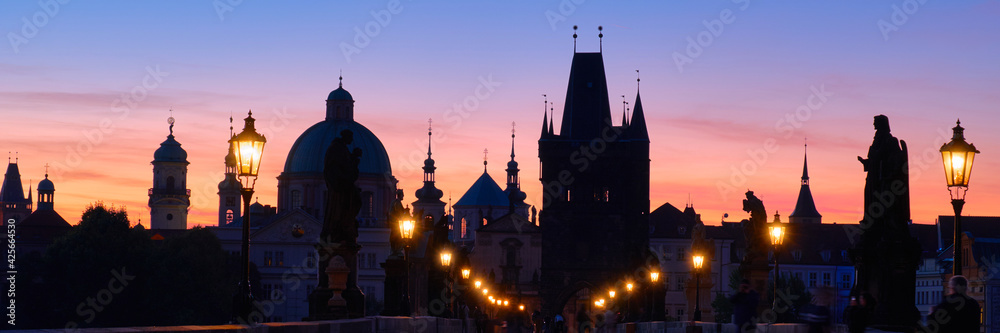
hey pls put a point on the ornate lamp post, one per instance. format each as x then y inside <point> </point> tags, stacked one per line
<point>654,278</point>
<point>957,156</point>
<point>628,300</point>
<point>248,146</point>
<point>406,228</point>
<point>776,231</point>
<point>698,261</point>
<point>446,265</point>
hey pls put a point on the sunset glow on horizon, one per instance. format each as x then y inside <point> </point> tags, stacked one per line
<point>89,93</point>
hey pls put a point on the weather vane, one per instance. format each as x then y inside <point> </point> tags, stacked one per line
<point>170,120</point>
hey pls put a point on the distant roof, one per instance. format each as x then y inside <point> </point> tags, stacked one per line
<point>511,223</point>
<point>669,222</point>
<point>340,94</point>
<point>42,226</point>
<point>977,226</point>
<point>170,151</point>
<point>484,192</point>
<point>309,151</point>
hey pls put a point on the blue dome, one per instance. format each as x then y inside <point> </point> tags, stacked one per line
<point>170,151</point>
<point>309,150</point>
<point>340,94</point>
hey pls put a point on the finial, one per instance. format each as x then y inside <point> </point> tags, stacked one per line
<point>512,125</point>
<point>46,171</point>
<point>637,80</point>
<point>429,122</point>
<point>341,78</point>
<point>574,38</point>
<point>600,36</point>
<point>485,154</point>
<point>170,120</point>
<point>230,123</point>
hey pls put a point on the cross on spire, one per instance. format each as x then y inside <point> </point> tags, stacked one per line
<point>485,154</point>
<point>46,171</point>
<point>512,127</point>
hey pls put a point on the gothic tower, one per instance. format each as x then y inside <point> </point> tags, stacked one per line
<point>429,197</point>
<point>169,199</point>
<point>13,204</point>
<point>805,209</point>
<point>229,191</point>
<point>595,179</point>
<point>513,190</point>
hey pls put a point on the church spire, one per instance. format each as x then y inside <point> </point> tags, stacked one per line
<point>805,208</point>
<point>514,194</point>
<point>429,196</point>
<point>637,127</point>
<point>545,117</point>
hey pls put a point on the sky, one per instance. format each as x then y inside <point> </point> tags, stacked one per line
<point>731,91</point>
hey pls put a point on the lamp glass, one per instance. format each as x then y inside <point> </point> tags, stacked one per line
<point>406,228</point>
<point>466,273</point>
<point>445,258</point>
<point>776,232</point>
<point>699,260</point>
<point>654,276</point>
<point>629,286</point>
<point>478,284</point>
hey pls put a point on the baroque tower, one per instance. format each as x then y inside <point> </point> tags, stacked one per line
<point>229,189</point>
<point>169,197</point>
<point>595,180</point>
<point>429,197</point>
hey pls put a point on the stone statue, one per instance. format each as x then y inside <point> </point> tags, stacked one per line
<point>887,257</point>
<point>887,206</point>
<point>343,196</point>
<point>755,230</point>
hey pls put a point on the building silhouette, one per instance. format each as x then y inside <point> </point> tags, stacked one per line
<point>169,198</point>
<point>595,179</point>
<point>37,231</point>
<point>230,200</point>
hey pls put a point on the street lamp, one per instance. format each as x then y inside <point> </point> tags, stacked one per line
<point>478,284</point>
<point>466,273</point>
<point>776,231</point>
<point>248,146</point>
<point>446,264</point>
<point>957,156</point>
<point>406,228</point>
<point>628,300</point>
<point>699,260</point>
<point>611,293</point>
<point>654,277</point>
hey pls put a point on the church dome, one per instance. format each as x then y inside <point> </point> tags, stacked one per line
<point>340,94</point>
<point>170,151</point>
<point>308,152</point>
<point>46,185</point>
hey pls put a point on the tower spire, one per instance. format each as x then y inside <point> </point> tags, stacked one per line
<point>512,125</point>
<point>805,208</point>
<point>805,164</point>
<point>545,115</point>
<point>485,154</point>
<point>429,131</point>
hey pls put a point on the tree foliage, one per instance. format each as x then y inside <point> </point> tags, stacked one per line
<point>104,273</point>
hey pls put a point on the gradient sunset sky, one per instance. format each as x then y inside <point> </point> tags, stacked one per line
<point>719,80</point>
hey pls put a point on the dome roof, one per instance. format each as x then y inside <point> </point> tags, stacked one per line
<point>170,151</point>
<point>340,94</point>
<point>309,150</point>
<point>46,184</point>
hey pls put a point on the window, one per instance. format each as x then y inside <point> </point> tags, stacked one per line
<point>845,281</point>
<point>229,216</point>
<point>464,226</point>
<point>826,255</point>
<point>230,201</point>
<point>843,255</point>
<point>268,258</point>
<point>280,258</point>
<point>362,263</point>
<point>797,255</point>
<point>798,275</point>
<point>371,260</point>
<point>681,256</point>
<point>311,260</point>
<point>368,200</point>
<point>511,256</point>
<point>680,282</point>
<point>812,279</point>
<point>680,313</point>
<point>278,293</point>
<point>666,281</point>
<point>170,182</point>
<point>296,199</point>
<point>267,291</point>
<point>667,255</point>
<point>827,276</point>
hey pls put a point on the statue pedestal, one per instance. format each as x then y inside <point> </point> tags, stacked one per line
<point>337,295</point>
<point>396,300</point>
